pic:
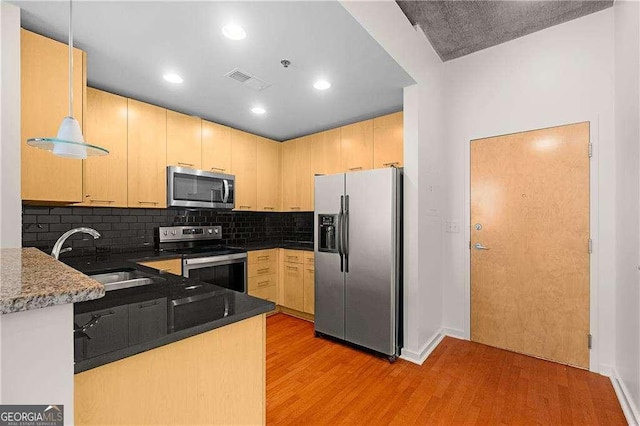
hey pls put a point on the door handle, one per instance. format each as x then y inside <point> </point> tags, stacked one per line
<point>225,197</point>
<point>479,246</point>
<point>339,234</point>
<point>345,241</point>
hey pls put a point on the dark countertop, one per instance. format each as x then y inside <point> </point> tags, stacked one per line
<point>292,245</point>
<point>168,287</point>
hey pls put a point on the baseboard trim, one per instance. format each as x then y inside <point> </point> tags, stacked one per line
<point>629,409</point>
<point>421,356</point>
<point>454,332</point>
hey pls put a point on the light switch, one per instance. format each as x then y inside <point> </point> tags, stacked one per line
<point>453,227</point>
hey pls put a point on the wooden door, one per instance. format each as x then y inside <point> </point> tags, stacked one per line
<point>44,103</point>
<point>244,163</point>
<point>530,209</point>
<point>147,155</point>
<point>356,148</point>
<point>388,141</point>
<point>106,126</point>
<point>293,290</point>
<point>184,140</point>
<point>289,176</point>
<point>268,184</point>
<point>216,147</point>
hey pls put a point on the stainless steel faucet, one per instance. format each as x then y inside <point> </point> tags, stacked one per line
<point>57,247</point>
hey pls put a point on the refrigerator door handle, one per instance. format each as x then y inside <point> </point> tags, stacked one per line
<point>339,234</point>
<point>345,240</point>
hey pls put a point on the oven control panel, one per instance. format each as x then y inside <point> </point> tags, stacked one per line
<point>189,233</point>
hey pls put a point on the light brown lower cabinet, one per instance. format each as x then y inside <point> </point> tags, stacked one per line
<point>298,280</point>
<point>172,266</point>
<point>262,272</point>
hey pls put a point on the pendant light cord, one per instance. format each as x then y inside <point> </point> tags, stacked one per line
<point>70,58</point>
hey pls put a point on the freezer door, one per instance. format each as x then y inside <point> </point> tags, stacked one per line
<point>329,279</point>
<point>371,247</point>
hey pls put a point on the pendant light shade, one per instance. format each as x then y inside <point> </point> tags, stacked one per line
<point>69,143</point>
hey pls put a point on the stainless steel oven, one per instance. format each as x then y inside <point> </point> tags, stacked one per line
<point>197,188</point>
<point>228,270</point>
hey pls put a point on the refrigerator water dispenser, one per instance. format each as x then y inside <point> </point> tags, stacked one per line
<point>327,230</point>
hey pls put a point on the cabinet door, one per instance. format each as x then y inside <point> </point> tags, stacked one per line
<point>244,163</point>
<point>268,183</point>
<point>303,174</point>
<point>289,175</point>
<point>309,290</point>
<point>216,147</point>
<point>324,156</point>
<point>293,290</point>
<point>110,332</point>
<point>356,148</point>
<point>106,126</point>
<point>147,155</point>
<point>388,141</point>
<point>44,103</point>
<point>184,140</point>
<point>147,320</point>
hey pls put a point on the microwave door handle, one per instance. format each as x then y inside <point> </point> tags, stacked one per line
<point>225,182</point>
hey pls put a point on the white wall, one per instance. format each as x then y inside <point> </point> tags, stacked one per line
<point>627,128</point>
<point>424,155</point>
<point>560,75</point>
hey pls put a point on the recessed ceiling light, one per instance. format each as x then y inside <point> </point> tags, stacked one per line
<point>173,78</point>
<point>322,84</point>
<point>234,32</point>
<point>258,110</point>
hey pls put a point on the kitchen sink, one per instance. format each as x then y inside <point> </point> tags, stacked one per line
<point>124,278</point>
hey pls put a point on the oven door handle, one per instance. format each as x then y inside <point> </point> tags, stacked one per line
<point>218,260</point>
<point>225,182</point>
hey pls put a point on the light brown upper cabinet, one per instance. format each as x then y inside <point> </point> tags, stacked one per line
<point>324,156</point>
<point>296,183</point>
<point>184,140</point>
<point>216,147</point>
<point>147,155</point>
<point>388,141</point>
<point>244,165</point>
<point>44,103</point>
<point>105,178</point>
<point>357,146</point>
<point>268,184</point>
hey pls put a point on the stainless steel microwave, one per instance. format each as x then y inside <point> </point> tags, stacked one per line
<point>200,189</point>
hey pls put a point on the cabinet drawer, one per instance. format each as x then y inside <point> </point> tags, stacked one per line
<point>262,256</point>
<point>267,293</point>
<point>293,256</point>
<point>309,259</point>
<point>262,268</point>
<point>262,281</point>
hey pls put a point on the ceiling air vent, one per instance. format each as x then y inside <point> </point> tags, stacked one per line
<point>249,80</point>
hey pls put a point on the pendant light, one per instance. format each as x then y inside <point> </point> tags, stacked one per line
<point>69,143</point>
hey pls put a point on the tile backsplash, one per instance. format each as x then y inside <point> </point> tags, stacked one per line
<point>125,228</point>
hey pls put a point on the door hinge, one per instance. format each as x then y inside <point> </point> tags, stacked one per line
<point>590,246</point>
<point>590,150</point>
<point>590,342</point>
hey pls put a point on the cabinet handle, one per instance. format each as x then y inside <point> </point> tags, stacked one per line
<point>292,257</point>
<point>147,202</point>
<point>269,208</point>
<point>355,168</point>
<point>294,208</point>
<point>147,305</point>
<point>102,201</point>
<point>310,270</point>
<point>244,207</point>
<point>394,164</point>
<point>218,168</point>
<point>263,257</point>
<point>186,164</point>
<point>264,283</point>
<point>294,268</point>
<point>264,270</point>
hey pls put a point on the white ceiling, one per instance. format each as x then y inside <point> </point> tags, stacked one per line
<point>130,45</point>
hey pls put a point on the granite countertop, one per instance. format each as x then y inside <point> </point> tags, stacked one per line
<point>31,279</point>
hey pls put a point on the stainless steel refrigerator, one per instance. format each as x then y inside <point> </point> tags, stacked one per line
<point>358,258</point>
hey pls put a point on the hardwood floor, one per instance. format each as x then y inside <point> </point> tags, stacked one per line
<point>315,381</point>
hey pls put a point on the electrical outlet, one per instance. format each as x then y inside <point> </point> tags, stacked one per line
<point>453,227</point>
